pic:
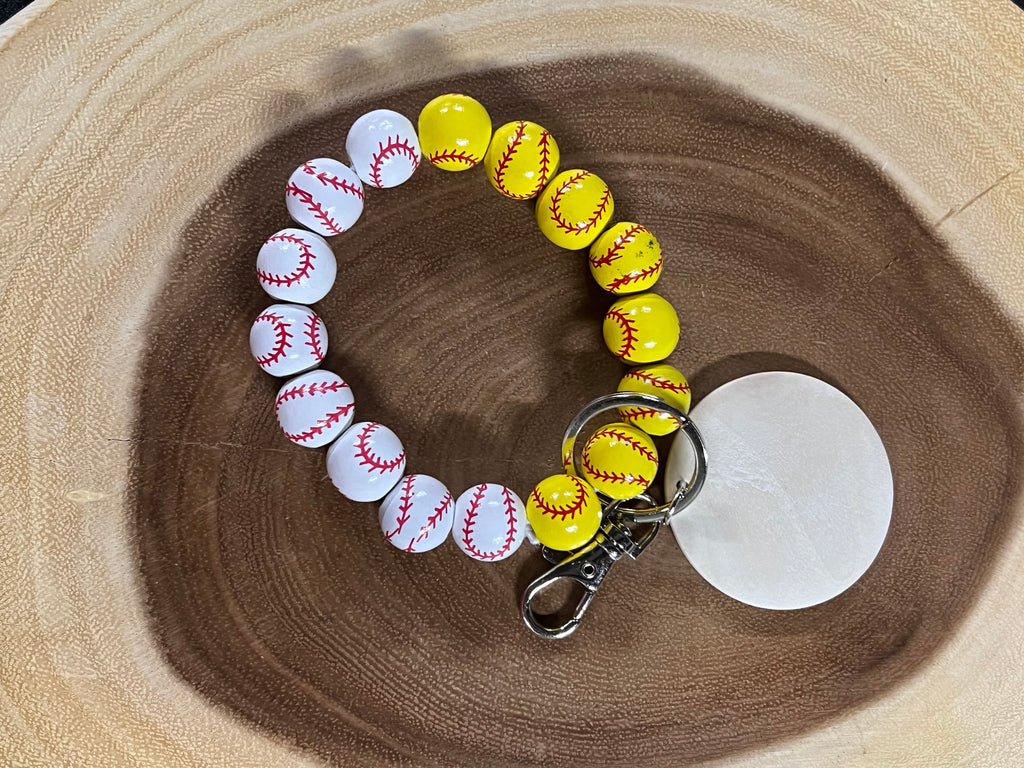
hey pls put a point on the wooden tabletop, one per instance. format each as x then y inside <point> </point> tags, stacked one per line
<point>838,189</point>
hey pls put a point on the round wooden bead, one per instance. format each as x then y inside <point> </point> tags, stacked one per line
<point>324,195</point>
<point>296,265</point>
<point>664,381</point>
<point>641,329</point>
<point>366,461</point>
<point>286,339</point>
<point>383,148</point>
<point>521,159</point>
<point>574,208</point>
<point>620,461</point>
<point>416,516</point>
<point>564,512</point>
<point>626,258</point>
<point>314,408</point>
<point>490,522</point>
<point>454,132</point>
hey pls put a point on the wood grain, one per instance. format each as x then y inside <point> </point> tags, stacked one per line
<point>181,586</point>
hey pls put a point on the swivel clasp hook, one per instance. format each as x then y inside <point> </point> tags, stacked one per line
<point>587,567</point>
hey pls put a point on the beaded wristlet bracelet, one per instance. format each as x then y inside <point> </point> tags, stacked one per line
<point>580,516</point>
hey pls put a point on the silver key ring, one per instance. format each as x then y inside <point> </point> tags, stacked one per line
<point>588,565</point>
<point>684,495</point>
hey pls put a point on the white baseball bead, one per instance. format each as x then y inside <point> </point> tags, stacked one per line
<point>296,265</point>
<point>287,339</point>
<point>324,195</point>
<point>416,515</point>
<point>366,462</point>
<point>383,148</point>
<point>314,408</point>
<point>490,522</point>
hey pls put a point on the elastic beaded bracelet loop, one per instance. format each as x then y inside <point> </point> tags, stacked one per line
<point>583,517</point>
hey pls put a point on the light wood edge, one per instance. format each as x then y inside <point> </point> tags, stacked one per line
<point>74,616</point>
<point>22,19</point>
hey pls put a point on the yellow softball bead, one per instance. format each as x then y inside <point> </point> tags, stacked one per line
<point>620,461</point>
<point>454,131</point>
<point>521,159</point>
<point>664,381</point>
<point>567,456</point>
<point>626,259</point>
<point>641,329</point>
<point>564,512</point>
<point>574,208</point>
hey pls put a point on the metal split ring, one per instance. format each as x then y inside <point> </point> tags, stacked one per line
<point>685,493</point>
<point>588,565</point>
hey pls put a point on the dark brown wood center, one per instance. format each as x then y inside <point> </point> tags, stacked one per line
<point>460,327</point>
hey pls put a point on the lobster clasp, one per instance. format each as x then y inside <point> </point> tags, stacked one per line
<point>586,567</point>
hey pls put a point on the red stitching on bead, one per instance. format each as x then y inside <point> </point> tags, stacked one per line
<point>640,413</point>
<point>567,463</point>
<point>615,252</point>
<point>635,277</point>
<point>510,516</point>
<point>440,511</point>
<point>545,171</point>
<point>312,332</point>
<point>471,512</point>
<point>315,208</point>
<point>560,513</point>
<point>368,458</point>
<point>327,421</point>
<point>281,337</point>
<point>329,180</point>
<point>506,158</point>
<point>306,259</point>
<point>556,216</point>
<point>284,237</point>
<point>612,477</point>
<point>404,507</point>
<point>394,147</point>
<point>454,156</point>
<point>629,440</point>
<point>633,415</point>
<point>308,390</point>
<point>658,382</point>
<point>629,330</point>
<point>474,508</point>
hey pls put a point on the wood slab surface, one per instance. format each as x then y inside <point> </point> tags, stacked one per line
<point>838,190</point>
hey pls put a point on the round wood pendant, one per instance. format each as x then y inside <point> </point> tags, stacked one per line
<point>798,495</point>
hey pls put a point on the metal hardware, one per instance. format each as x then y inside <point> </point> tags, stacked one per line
<point>685,494</point>
<point>589,565</point>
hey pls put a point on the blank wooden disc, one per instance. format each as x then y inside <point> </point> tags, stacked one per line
<point>798,495</point>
